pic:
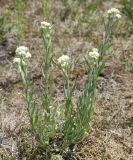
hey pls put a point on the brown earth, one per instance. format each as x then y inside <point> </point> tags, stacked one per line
<point>75,31</point>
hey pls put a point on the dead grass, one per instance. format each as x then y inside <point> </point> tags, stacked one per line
<point>109,136</point>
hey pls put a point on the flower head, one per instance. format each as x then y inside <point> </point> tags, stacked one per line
<point>113,13</point>
<point>45,25</point>
<point>94,53</point>
<point>19,61</point>
<point>16,60</point>
<point>64,60</point>
<point>23,52</point>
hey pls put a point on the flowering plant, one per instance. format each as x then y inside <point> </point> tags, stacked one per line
<point>57,128</point>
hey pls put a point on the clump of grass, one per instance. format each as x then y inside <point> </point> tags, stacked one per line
<point>45,6</point>
<point>19,8</point>
<point>58,127</point>
<point>3,19</point>
<point>92,6</point>
<point>4,28</point>
<point>69,2</point>
<point>127,10</point>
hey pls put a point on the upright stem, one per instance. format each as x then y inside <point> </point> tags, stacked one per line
<point>27,95</point>
<point>46,64</point>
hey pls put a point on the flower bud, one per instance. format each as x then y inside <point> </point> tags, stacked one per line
<point>64,60</point>
<point>45,25</point>
<point>23,51</point>
<point>113,13</point>
<point>94,53</point>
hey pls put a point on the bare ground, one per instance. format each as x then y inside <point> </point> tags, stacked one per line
<point>76,30</point>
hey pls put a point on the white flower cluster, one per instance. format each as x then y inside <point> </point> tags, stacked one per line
<point>45,25</point>
<point>64,60</point>
<point>94,53</point>
<point>114,13</point>
<point>23,53</point>
<point>18,61</point>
